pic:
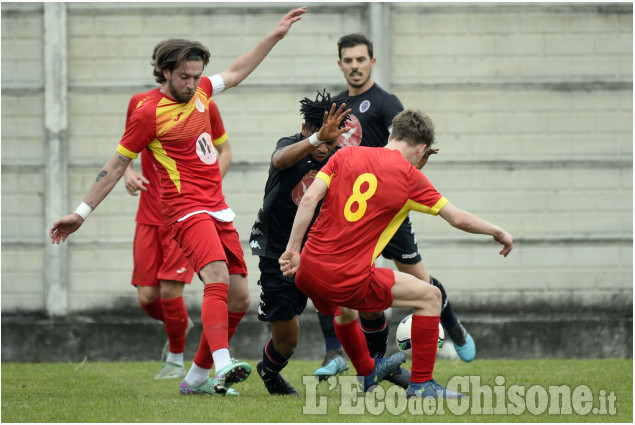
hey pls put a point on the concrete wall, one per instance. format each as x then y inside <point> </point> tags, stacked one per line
<point>532,103</point>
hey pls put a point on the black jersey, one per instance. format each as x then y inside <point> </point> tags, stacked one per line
<point>370,118</point>
<point>283,192</point>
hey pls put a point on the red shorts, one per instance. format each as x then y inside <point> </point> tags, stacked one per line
<point>204,239</point>
<point>374,293</point>
<point>158,257</point>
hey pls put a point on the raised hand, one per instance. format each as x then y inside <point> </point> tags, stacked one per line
<point>332,119</point>
<point>287,20</point>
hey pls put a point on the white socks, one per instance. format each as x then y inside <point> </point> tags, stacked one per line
<point>221,358</point>
<point>175,358</point>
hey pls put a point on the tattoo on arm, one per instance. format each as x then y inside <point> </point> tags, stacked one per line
<point>101,174</point>
<point>124,158</point>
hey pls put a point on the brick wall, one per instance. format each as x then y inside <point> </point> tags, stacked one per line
<point>532,103</point>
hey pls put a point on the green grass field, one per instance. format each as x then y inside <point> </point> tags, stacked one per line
<point>600,391</point>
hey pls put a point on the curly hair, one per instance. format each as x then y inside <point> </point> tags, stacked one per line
<point>313,110</point>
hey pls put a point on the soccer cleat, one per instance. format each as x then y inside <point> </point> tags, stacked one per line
<point>274,382</point>
<point>383,368</point>
<point>229,375</point>
<point>206,387</point>
<point>332,365</point>
<point>401,377</point>
<point>431,389</point>
<point>171,370</point>
<point>166,346</point>
<point>463,342</point>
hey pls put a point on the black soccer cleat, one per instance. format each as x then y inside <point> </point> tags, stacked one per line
<point>274,382</point>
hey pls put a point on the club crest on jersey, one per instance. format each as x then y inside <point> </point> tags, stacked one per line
<point>300,189</point>
<point>364,106</point>
<point>205,149</point>
<point>199,105</point>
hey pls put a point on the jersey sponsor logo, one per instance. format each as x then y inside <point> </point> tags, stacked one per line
<point>300,189</point>
<point>408,256</point>
<point>354,136</point>
<point>205,149</point>
<point>254,245</point>
<point>178,116</point>
<point>181,270</point>
<point>364,106</point>
<point>199,105</point>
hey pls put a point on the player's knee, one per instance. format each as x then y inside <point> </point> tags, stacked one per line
<point>238,302</point>
<point>147,296</point>
<point>430,295</point>
<point>286,346</point>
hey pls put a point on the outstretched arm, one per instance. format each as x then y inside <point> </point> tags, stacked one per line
<point>290,259</point>
<point>471,223</point>
<point>107,178</point>
<point>245,64</point>
<point>290,155</point>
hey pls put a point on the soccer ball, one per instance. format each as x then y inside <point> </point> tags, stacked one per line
<point>403,335</point>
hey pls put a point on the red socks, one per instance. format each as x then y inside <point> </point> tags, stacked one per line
<point>214,315</point>
<point>154,309</point>
<point>175,319</point>
<point>354,343</point>
<point>424,337</point>
<point>203,358</point>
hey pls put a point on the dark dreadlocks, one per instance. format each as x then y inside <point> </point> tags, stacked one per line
<point>313,110</point>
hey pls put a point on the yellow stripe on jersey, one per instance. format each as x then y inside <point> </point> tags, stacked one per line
<point>168,163</point>
<point>222,139</point>
<point>125,152</point>
<point>170,114</point>
<point>434,210</point>
<point>394,224</point>
<point>323,176</point>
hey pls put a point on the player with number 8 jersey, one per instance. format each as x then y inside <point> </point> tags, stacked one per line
<point>368,199</point>
<point>367,194</point>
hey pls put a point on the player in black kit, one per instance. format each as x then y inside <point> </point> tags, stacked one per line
<point>373,110</point>
<point>294,164</point>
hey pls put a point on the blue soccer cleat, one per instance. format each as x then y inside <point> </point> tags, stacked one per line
<point>333,365</point>
<point>383,368</point>
<point>431,389</point>
<point>466,352</point>
<point>463,342</point>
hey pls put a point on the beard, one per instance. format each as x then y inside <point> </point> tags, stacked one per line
<point>181,98</point>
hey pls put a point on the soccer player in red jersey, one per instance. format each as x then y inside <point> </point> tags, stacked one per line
<point>367,194</point>
<point>160,267</point>
<point>173,123</point>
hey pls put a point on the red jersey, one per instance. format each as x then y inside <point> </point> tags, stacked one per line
<point>179,139</point>
<point>371,190</point>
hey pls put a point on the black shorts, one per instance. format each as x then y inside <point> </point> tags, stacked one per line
<point>403,245</point>
<point>280,299</point>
